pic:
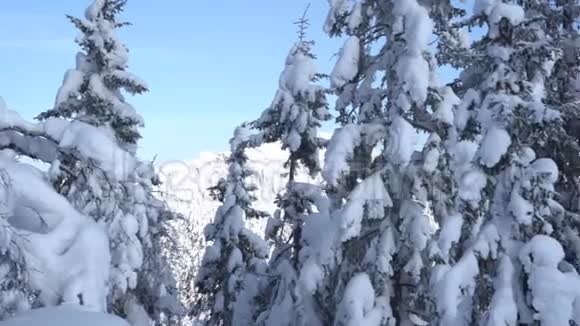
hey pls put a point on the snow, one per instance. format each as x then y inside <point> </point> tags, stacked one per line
<point>346,67</point>
<point>93,143</point>
<point>98,88</point>
<point>72,83</point>
<point>470,98</point>
<point>470,179</point>
<point>542,114</point>
<point>358,303</point>
<point>555,294</point>
<point>256,242</point>
<point>356,16</point>
<point>503,309</point>
<point>415,265</point>
<point>56,134</point>
<point>186,182</point>
<point>401,141</point>
<point>414,72</point>
<point>525,156</point>
<point>463,154</point>
<point>319,234</point>
<point>369,198</point>
<point>417,225</point>
<point>496,10</point>
<point>541,251</point>
<point>546,168</point>
<point>119,56</point>
<point>128,76</point>
<point>231,216</point>
<point>412,68</point>
<point>471,184</point>
<point>94,9</point>
<point>56,254</point>
<point>499,52</point>
<point>418,25</point>
<point>340,150</point>
<point>431,160</point>
<point>299,71</point>
<point>337,9</point>
<point>243,307</point>
<point>487,243</point>
<point>11,119</point>
<point>522,209</point>
<point>451,284</point>
<point>64,316</point>
<point>514,13</point>
<point>494,146</point>
<point>445,109</point>
<point>416,320</point>
<point>482,6</point>
<point>385,251</point>
<point>450,234</point>
<point>136,314</point>
<point>282,312</point>
<point>311,275</point>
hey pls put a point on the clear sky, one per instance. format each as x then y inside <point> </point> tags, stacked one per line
<point>209,64</point>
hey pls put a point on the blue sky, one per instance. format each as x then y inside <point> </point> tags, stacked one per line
<point>210,65</point>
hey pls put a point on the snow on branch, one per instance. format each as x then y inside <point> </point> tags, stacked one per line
<point>55,251</point>
<point>46,140</point>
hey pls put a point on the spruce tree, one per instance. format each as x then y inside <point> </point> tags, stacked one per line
<point>556,27</point>
<point>93,90</point>
<point>45,240</point>
<point>507,228</point>
<point>141,286</point>
<point>16,293</point>
<point>387,92</point>
<point>234,262</point>
<point>294,119</point>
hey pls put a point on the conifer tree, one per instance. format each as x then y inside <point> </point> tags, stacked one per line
<point>294,118</point>
<point>556,27</point>
<point>16,293</point>
<point>45,240</point>
<point>507,228</point>
<point>387,92</point>
<point>141,285</point>
<point>93,90</point>
<point>234,261</point>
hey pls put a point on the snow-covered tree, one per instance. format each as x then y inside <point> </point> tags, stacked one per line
<point>16,294</point>
<point>555,25</point>
<point>123,200</point>
<point>294,118</point>
<point>45,240</point>
<point>93,90</point>
<point>298,109</point>
<point>121,197</point>
<point>380,181</point>
<point>184,251</point>
<point>507,228</point>
<point>234,262</point>
<point>452,38</point>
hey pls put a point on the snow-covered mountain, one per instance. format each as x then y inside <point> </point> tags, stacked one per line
<point>185,184</point>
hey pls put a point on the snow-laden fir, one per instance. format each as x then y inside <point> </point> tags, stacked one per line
<point>88,229</point>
